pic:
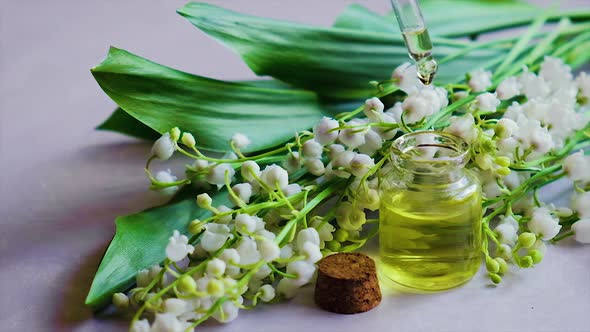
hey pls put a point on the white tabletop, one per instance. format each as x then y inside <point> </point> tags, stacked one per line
<point>62,183</point>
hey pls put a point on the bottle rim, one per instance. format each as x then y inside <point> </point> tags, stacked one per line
<point>456,149</point>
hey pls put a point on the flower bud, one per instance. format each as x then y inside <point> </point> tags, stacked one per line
<point>163,147</point>
<point>267,293</point>
<point>312,149</point>
<point>240,141</point>
<point>496,279</point>
<point>526,261</point>
<point>216,267</point>
<point>503,161</point>
<point>315,166</point>
<point>503,171</point>
<point>186,284</point>
<point>526,240</point>
<point>340,235</point>
<point>215,288</point>
<point>196,226</point>
<point>503,266</point>
<point>536,255</point>
<point>333,246</point>
<point>121,301</point>
<point>175,134</point>
<point>204,201</point>
<point>189,140</point>
<point>492,265</point>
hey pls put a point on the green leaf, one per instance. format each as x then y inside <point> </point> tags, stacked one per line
<point>140,242</point>
<point>213,111</point>
<point>120,121</point>
<point>359,17</point>
<point>333,62</point>
<point>455,18</point>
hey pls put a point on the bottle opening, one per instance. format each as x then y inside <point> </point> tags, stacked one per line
<point>430,150</point>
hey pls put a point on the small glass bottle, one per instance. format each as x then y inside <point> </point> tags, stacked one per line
<point>430,215</point>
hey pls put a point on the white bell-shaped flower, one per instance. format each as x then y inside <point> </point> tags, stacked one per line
<point>324,132</point>
<point>480,80</point>
<point>543,224</point>
<point>581,230</point>
<point>240,141</point>
<point>163,147</point>
<point>214,236</point>
<point>178,247</point>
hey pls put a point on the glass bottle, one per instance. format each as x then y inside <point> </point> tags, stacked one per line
<point>430,215</point>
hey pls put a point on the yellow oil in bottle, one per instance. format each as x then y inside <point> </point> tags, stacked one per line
<point>430,240</point>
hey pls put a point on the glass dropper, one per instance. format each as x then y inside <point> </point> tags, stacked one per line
<point>413,28</point>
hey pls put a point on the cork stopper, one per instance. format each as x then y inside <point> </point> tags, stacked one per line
<point>347,284</point>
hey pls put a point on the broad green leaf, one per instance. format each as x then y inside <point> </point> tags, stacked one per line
<point>333,62</point>
<point>140,242</point>
<point>161,98</point>
<point>359,17</point>
<point>120,121</point>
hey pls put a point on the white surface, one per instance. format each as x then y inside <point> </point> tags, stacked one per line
<point>62,183</point>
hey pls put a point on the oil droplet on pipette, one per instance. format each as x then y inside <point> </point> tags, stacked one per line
<point>420,49</point>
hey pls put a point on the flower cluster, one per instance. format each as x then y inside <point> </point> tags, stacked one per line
<point>286,208</point>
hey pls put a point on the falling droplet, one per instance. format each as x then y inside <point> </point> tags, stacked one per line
<point>426,69</point>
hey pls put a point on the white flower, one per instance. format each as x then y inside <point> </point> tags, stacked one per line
<point>334,150</point>
<point>361,164</point>
<point>311,251</point>
<point>583,84</point>
<point>349,218</point>
<point>508,88</point>
<point>506,233</point>
<point>303,270</point>
<point>121,301</point>
<point>245,224</point>
<point>141,325</point>
<point>163,147</point>
<point>293,162</point>
<point>555,72</point>
<point>248,251</point>
<point>487,102</point>
<point>269,250</point>
<point>178,247</point>
<point>581,230</point>
<point>540,246</point>
<point>214,236</point>
<point>240,141</point>
<point>582,204</point>
<point>532,134</point>
<point>175,306</point>
<point>216,267</point>
<point>166,176</point>
<point>463,126</point>
<point>229,311</point>
<point>267,293</point>
<point>533,86</point>
<point>167,322</point>
<point>249,168</point>
<point>405,76</point>
<point>342,161</point>
<point>230,256</point>
<point>421,104</point>
<point>309,234</point>
<point>143,278</point>
<point>315,166</point>
<point>204,200</point>
<point>480,80</point>
<point>217,174</point>
<point>288,287</point>
<point>312,149</point>
<point>226,218</point>
<point>373,109</point>
<point>292,189</point>
<point>504,251</point>
<point>274,176</point>
<point>577,167</point>
<point>505,128</point>
<point>353,137</point>
<point>369,199</point>
<point>188,139</point>
<point>324,132</point>
<point>325,232</point>
<point>543,224</point>
<point>200,164</point>
<point>373,141</point>
<point>243,191</point>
